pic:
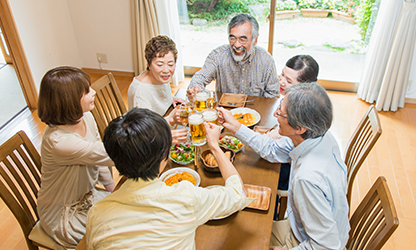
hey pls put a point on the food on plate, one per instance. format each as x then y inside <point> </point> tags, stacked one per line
<point>247,119</point>
<point>182,153</point>
<point>231,142</point>
<point>178,177</point>
<point>210,160</point>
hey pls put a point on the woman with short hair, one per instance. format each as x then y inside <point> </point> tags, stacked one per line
<point>151,89</point>
<point>72,155</point>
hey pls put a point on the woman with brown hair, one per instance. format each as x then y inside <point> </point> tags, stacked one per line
<point>73,156</point>
<point>151,89</point>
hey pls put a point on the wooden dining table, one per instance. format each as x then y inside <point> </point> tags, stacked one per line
<point>250,228</point>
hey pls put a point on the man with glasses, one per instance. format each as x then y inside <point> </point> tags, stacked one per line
<point>240,67</point>
<point>317,205</point>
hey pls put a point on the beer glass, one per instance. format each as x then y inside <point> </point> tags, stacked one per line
<point>183,114</point>
<point>210,115</point>
<point>212,99</point>
<point>196,126</point>
<point>201,100</point>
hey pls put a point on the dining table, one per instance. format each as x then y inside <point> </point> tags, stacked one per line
<point>249,228</point>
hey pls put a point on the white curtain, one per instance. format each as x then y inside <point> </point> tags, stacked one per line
<point>379,48</point>
<point>396,77</point>
<point>389,58</point>
<point>145,27</point>
<point>168,20</point>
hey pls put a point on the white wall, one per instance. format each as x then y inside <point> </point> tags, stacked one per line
<point>103,26</point>
<point>71,32</point>
<point>47,34</point>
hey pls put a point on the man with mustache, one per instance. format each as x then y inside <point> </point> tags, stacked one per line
<point>240,67</point>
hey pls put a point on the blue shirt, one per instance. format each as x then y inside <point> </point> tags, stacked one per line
<point>317,204</point>
<point>256,76</point>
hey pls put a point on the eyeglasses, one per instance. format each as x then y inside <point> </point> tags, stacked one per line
<point>278,113</point>
<point>242,40</point>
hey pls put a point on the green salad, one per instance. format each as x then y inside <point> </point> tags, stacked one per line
<point>182,153</point>
<point>231,142</point>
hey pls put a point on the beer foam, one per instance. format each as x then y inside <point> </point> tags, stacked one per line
<point>210,115</point>
<point>195,119</point>
<point>202,96</point>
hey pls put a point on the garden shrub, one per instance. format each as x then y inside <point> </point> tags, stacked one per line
<point>365,20</point>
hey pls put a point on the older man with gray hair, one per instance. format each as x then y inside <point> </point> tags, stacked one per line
<point>240,66</point>
<point>317,205</point>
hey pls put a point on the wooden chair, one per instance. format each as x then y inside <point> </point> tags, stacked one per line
<point>362,141</point>
<point>374,220</point>
<point>20,170</point>
<point>109,103</point>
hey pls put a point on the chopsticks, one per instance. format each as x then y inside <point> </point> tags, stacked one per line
<point>275,126</point>
<point>196,158</point>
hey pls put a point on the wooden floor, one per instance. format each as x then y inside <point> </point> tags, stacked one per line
<point>394,157</point>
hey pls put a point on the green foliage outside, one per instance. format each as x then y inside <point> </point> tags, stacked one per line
<point>361,9</point>
<point>286,5</point>
<point>365,20</point>
<point>222,8</point>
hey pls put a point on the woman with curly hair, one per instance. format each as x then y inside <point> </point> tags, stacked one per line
<point>151,89</point>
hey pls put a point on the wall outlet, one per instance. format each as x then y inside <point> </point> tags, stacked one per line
<point>102,58</point>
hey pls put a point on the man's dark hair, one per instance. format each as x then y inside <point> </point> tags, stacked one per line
<point>137,142</point>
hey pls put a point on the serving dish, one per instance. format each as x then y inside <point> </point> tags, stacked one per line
<point>215,168</point>
<point>173,171</point>
<point>227,140</point>
<point>182,154</point>
<point>243,111</point>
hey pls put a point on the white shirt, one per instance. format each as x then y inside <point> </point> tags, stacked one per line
<point>157,98</point>
<point>152,215</point>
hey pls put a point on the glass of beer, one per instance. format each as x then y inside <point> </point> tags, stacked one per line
<point>201,100</point>
<point>212,99</point>
<point>183,114</point>
<point>210,115</point>
<point>196,126</point>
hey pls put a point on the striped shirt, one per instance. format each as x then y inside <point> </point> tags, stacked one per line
<point>255,77</point>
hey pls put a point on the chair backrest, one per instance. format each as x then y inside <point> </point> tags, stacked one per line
<point>374,220</point>
<point>109,103</point>
<point>362,141</point>
<point>20,171</point>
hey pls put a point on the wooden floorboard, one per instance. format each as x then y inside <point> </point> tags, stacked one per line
<point>393,157</point>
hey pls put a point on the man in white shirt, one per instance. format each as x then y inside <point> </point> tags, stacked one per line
<point>317,204</point>
<point>145,213</point>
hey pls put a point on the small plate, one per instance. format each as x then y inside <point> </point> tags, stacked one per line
<point>174,171</point>
<point>261,193</point>
<point>232,98</point>
<point>243,111</point>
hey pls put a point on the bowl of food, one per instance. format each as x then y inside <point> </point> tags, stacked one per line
<point>209,161</point>
<point>246,116</point>
<point>176,175</point>
<point>231,142</point>
<point>182,154</point>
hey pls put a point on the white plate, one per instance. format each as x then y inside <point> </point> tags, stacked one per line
<point>173,171</point>
<point>247,110</point>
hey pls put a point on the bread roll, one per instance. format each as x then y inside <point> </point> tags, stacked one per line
<point>210,160</point>
<point>228,154</point>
